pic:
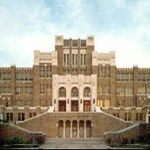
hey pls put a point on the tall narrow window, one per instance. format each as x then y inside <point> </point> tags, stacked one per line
<point>67,59</point>
<point>64,59</point>
<point>76,59</point>
<point>73,59</point>
<point>81,59</point>
<point>84,59</point>
<point>42,88</point>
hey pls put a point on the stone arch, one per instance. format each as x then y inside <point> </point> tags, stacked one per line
<point>62,92</point>
<point>60,128</point>
<point>67,129</point>
<point>88,129</point>
<point>81,129</point>
<point>74,92</point>
<point>87,92</point>
<point>74,129</point>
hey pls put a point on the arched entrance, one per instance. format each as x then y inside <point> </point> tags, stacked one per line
<point>60,129</point>
<point>74,129</point>
<point>67,130</point>
<point>88,129</point>
<point>81,129</point>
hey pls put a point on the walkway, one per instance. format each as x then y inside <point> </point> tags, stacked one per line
<point>74,143</point>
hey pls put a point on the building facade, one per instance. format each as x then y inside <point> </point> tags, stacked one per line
<point>75,78</point>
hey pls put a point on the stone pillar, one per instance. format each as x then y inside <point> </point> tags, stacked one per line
<point>81,88</point>
<point>85,129</point>
<point>77,129</point>
<point>71,129</point>
<point>93,91</point>
<point>64,128</point>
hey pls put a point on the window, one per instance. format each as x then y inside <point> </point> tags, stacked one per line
<point>141,90</point>
<point>100,71</point>
<point>120,91</point>
<point>73,59</point>
<point>100,90</point>
<point>62,92</point>
<point>107,72</point>
<point>65,58</point>
<point>116,114</point>
<point>33,114</point>
<point>148,90</point>
<point>5,89</point>
<point>142,77</point>
<point>128,91</point>
<point>21,116</point>
<point>68,61</point>
<point>74,92</point>
<point>81,60</point>
<point>107,90</point>
<point>48,71</point>
<point>75,43</point>
<point>83,43</point>
<point>42,88</point>
<point>87,92</point>
<point>128,116</point>
<point>5,76</point>
<point>76,59</point>
<point>124,77</point>
<point>66,43</point>
<point>24,77</point>
<point>42,71</point>
<point>84,60</point>
<point>9,116</point>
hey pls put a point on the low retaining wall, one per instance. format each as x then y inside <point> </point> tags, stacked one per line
<point>8,131</point>
<point>128,135</point>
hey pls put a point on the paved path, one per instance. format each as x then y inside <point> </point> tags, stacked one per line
<point>74,143</point>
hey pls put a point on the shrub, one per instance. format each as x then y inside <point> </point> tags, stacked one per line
<point>2,142</point>
<point>125,141</point>
<point>108,141</point>
<point>40,139</point>
<point>15,140</point>
<point>132,141</point>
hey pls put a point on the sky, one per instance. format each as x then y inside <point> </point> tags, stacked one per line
<point>122,26</point>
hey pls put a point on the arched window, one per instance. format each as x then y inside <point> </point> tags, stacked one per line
<point>74,92</point>
<point>87,92</point>
<point>62,92</point>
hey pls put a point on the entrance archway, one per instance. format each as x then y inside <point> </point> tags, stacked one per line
<point>74,105</point>
<point>81,129</point>
<point>60,129</point>
<point>74,129</point>
<point>88,129</point>
<point>67,130</point>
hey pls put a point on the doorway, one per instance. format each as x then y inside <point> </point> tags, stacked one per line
<point>87,105</point>
<point>74,105</point>
<point>62,105</point>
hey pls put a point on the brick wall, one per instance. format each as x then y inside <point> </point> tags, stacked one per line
<point>10,130</point>
<point>48,122</point>
<point>128,135</point>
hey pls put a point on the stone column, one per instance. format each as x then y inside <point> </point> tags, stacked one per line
<point>85,129</point>
<point>64,127</point>
<point>77,129</point>
<point>71,129</point>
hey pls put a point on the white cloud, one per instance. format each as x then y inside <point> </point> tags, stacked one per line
<point>33,25</point>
